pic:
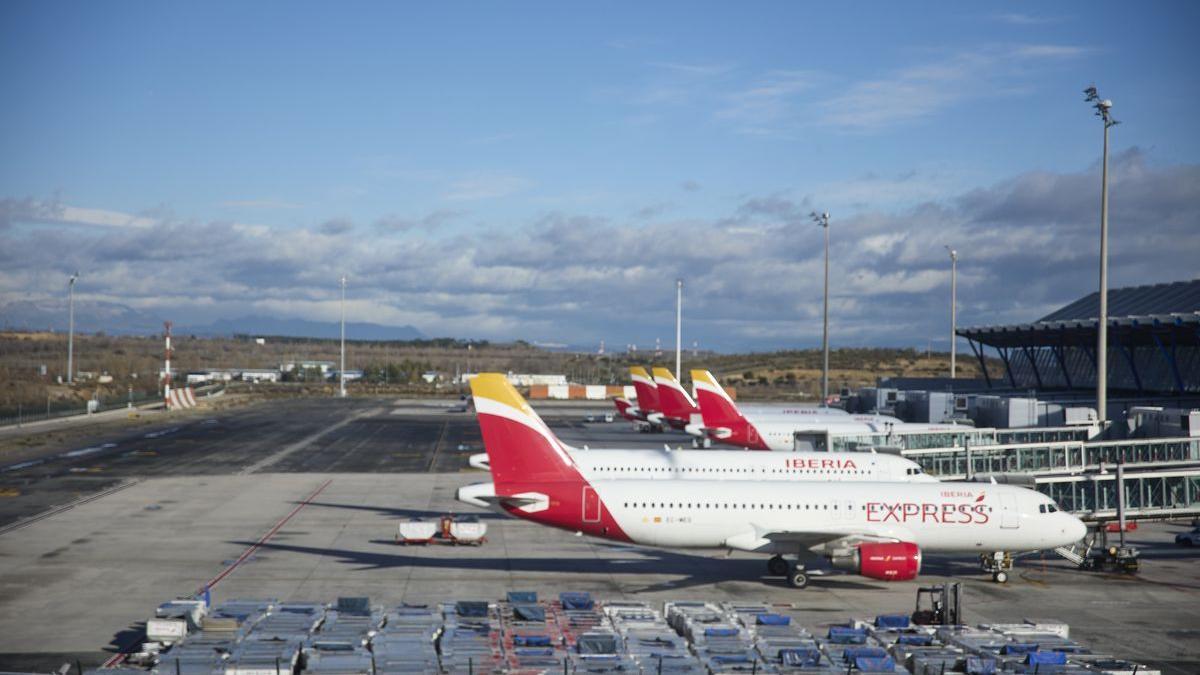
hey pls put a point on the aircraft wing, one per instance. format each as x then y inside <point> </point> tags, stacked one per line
<point>761,538</point>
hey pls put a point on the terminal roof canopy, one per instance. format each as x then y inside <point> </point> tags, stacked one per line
<point>1180,297</point>
<point>1153,342</point>
<point>1135,312</point>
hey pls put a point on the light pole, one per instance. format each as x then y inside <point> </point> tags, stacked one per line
<point>678,325</point>
<point>342,369</point>
<point>1102,106</point>
<point>953,308</point>
<point>822,219</point>
<point>71,328</point>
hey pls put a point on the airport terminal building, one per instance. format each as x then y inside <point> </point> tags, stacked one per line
<point>1153,346</point>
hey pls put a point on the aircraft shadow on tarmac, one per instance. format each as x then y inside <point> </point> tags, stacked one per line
<point>402,513</point>
<point>694,570</point>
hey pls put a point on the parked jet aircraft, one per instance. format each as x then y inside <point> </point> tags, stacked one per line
<point>678,408</point>
<point>878,530</point>
<point>666,464</point>
<point>723,421</point>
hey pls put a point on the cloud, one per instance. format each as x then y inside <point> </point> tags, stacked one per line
<point>32,210</point>
<point>652,210</point>
<point>486,186</point>
<point>430,221</point>
<point>921,90</point>
<point>1021,19</point>
<point>769,99</point>
<point>336,226</point>
<point>753,273</point>
<point>690,186</point>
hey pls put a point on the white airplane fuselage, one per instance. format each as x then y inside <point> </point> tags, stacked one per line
<point>722,465</point>
<point>943,517</point>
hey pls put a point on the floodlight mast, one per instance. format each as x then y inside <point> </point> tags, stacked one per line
<point>678,327</point>
<point>822,219</point>
<point>342,367</point>
<point>71,327</point>
<point>1103,108</point>
<point>953,309</point>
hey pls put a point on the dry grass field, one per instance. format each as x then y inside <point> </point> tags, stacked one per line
<point>395,368</point>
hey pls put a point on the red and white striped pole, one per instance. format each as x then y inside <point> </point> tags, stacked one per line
<point>167,367</point>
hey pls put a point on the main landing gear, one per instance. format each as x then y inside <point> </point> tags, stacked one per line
<point>797,577</point>
<point>1000,564</point>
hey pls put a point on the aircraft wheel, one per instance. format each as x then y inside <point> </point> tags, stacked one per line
<point>798,579</point>
<point>1000,577</point>
<point>777,566</point>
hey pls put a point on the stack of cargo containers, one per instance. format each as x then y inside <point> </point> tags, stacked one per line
<point>917,649</point>
<point>717,640</point>
<point>340,644</point>
<point>649,641</point>
<point>208,650</point>
<point>530,635</point>
<point>850,647</point>
<point>781,643</point>
<point>592,645</point>
<point>470,639</point>
<point>407,641</point>
<point>275,641</point>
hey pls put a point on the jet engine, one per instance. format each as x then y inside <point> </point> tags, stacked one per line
<point>899,561</point>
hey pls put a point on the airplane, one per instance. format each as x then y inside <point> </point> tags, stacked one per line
<point>681,412</point>
<point>725,423</point>
<point>647,414</point>
<point>879,530</point>
<point>667,464</point>
<point>678,408</point>
<point>625,408</point>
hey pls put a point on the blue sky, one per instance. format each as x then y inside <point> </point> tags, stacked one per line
<point>544,171</point>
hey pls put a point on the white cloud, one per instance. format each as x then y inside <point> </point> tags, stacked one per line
<point>753,274</point>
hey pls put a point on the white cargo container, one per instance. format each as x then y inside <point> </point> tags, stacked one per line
<point>416,531</point>
<point>167,631</point>
<point>468,531</point>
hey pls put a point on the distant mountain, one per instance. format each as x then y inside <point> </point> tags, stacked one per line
<point>90,317</point>
<point>266,325</point>
<point>117,319</point>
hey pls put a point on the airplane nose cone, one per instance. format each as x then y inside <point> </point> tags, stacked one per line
<point>1076,529</point>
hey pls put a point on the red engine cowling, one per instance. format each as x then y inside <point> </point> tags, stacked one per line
<point>900,561</point>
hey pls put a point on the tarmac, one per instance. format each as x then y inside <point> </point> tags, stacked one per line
<point>185,498</point>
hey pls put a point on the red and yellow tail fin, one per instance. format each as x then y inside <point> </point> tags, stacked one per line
<point>647,392</point>
<point>520,447</point>
<point>716,406</point>
<point>673,398</point>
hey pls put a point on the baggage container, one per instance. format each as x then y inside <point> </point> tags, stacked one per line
<point>167,631</point>
<point>416,531</point>
<point>576,600</point>
<point>1050,626</point>
<point>468,530</point>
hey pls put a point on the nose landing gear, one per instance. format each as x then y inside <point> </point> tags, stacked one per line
<point>1000,564</point>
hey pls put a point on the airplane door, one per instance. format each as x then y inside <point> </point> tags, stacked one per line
<point>1009,518</point>
<point>591,505</point>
